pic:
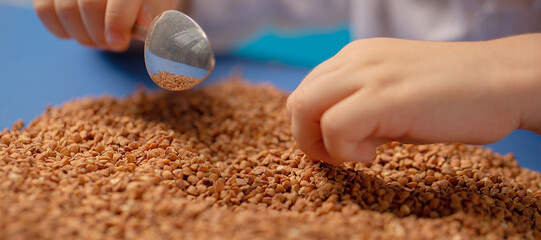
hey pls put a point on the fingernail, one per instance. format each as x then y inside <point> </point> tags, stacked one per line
<point>115,41</point>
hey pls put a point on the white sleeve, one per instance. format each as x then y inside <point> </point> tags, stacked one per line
<point>227,21</point>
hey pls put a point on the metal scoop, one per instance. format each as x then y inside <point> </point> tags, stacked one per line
<point>178,54</point>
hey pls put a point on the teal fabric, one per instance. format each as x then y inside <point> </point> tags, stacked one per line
<point>306,48</point>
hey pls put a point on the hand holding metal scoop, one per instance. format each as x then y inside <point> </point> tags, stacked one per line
<point>178,54</point>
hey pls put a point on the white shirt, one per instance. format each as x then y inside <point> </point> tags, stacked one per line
<point>226,21</point>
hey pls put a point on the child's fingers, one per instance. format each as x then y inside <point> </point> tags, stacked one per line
<point>309,101</point>
<point>93,15</point>
<point>120,16</point>
<point>348,126</point>
<point>70,17</point>
<point>308,137</point>
<point>46,12</point>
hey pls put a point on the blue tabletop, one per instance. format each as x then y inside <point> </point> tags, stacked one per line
<point>37,70</point>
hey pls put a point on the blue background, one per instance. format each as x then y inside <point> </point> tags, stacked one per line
<point>37,70</point>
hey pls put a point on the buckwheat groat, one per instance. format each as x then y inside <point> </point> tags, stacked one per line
<point>175,82</point>
<point>220,162</point>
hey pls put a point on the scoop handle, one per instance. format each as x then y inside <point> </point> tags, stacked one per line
<point>140,32</point>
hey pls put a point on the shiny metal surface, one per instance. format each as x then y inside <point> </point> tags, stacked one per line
<point>177,47</point>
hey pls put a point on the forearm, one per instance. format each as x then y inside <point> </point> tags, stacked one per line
<point>517,62</point>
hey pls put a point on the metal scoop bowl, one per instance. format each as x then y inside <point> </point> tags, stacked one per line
<point>178,55</point>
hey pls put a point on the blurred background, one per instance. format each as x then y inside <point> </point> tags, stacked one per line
<point>38,70</point>
<point>33,55</point>
<point>298,47</point>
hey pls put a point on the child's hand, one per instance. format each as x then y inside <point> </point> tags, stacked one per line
<point>105,24</point>
<point>377,90</point>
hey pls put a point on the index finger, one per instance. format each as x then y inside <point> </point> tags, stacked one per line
<point>120,16</point>
<point>319,91</point>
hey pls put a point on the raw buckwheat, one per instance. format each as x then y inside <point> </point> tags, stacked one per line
<point>220,162</point>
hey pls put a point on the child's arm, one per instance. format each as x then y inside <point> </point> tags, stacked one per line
<point>377,90</point>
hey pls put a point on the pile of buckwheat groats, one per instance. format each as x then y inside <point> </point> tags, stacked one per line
<point>220,163</point>
<point>174,82</point>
